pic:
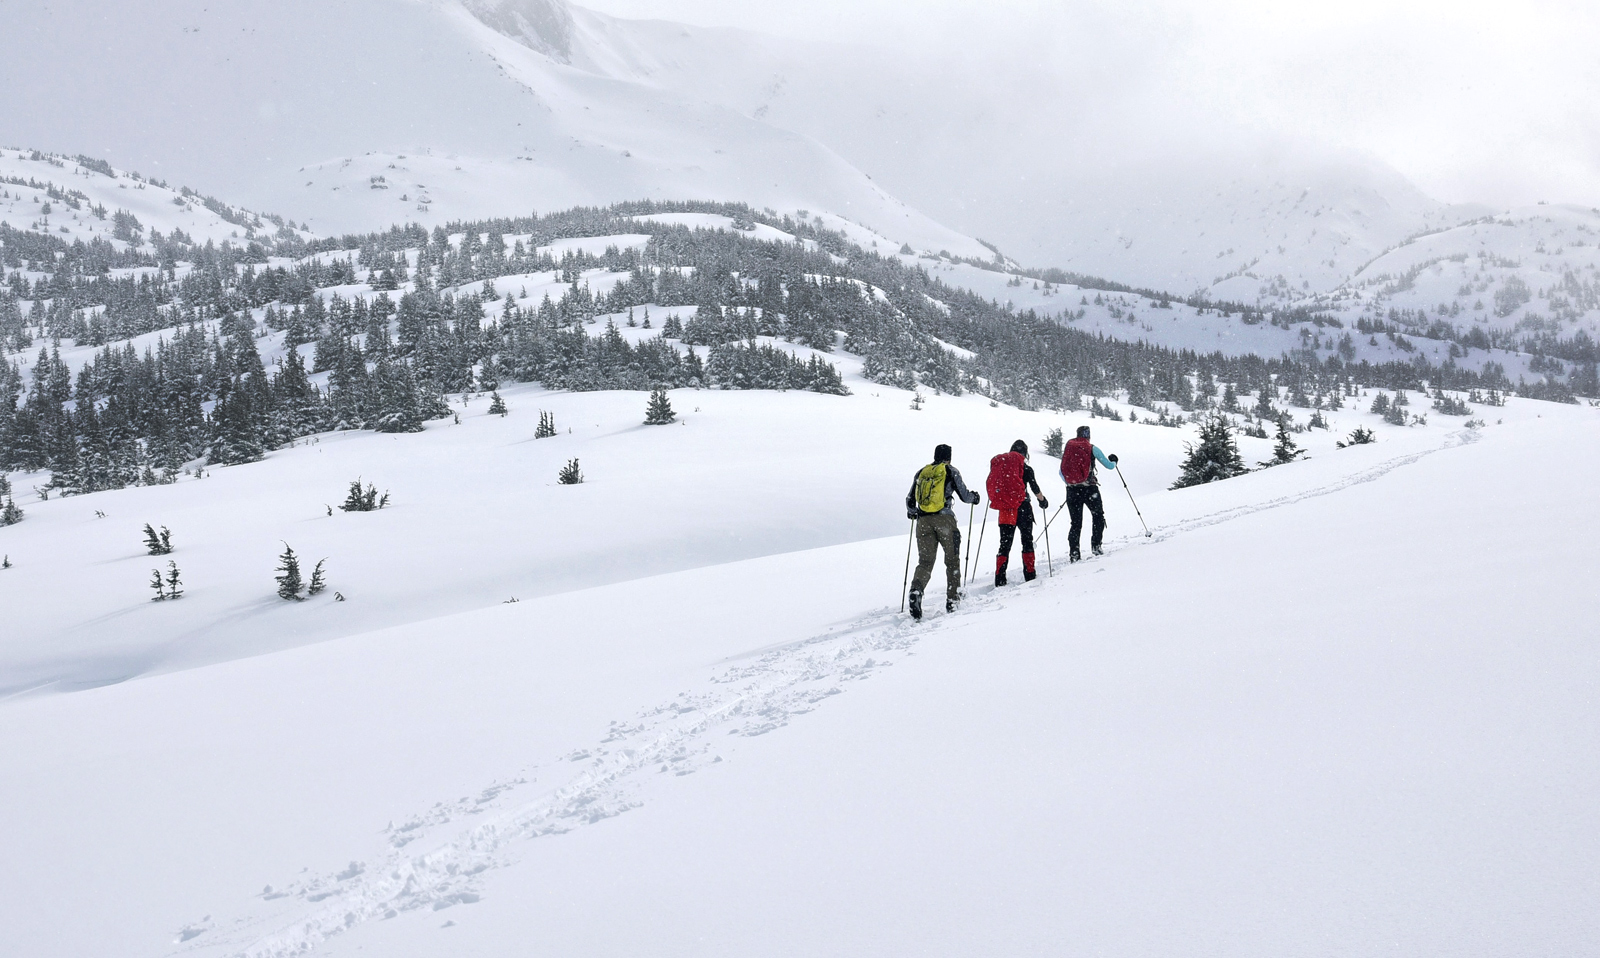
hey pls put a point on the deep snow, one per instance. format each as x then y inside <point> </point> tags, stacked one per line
<point>1344,705</point>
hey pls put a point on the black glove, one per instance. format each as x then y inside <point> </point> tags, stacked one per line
<point>1044,503</point>
<point>975,499</point>
<point>913,513</point>
<point>1112,457</point>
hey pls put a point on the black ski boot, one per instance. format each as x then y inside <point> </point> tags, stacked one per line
<point>1096,550</point>
<point>1074,557</point>
<point>916,605</point>
<point>1000,570</point>
<point>949,605</point>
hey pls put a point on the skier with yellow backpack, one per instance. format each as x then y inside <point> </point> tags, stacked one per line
<point>929,503</point>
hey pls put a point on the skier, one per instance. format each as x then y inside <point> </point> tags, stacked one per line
<point>928,502</point>
<point>1083,489</point>
<point>1010,478</point>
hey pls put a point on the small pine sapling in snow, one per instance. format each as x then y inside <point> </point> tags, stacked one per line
<point>174,582</point>
<point>1286,450</point>
<point>157,543</point>
<point>917,401</point>
<point>289,582</point>
<point>159,584</point>
<point>1380,404</point>
<point>1263,408</point>
<point>5,563</point>
<point>1360,437</point>
<point>658,412</point>
<point>10,515</point>
<point>1054,442</point>
<point>1316,421</point>
<point>317,583</point>
<point>498,406</point>
<point>570,474</point>
<point>1230,399</point>
<point>1396,416</point>
<point>362,499</point>
<point>547,425</point>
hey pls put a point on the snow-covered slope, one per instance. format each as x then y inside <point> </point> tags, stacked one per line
<point>1155,751</point>
<point>1532,271</point>
<point>81,198</point>
<point>394,110</point>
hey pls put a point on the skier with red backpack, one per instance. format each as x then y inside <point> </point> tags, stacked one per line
<point>1010,478</point>
<point>928,503</point>
<point>1083,489</point>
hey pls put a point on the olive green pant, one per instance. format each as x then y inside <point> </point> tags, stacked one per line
<point>933,532</point>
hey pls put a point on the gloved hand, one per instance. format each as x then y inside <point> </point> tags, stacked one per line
<point>1044,503</point>
<point>975,499</point>
<point>913,513</point>
<point>1113,457</point>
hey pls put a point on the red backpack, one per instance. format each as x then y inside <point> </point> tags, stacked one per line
<point>1077,461</point>
<point>1005,487</point>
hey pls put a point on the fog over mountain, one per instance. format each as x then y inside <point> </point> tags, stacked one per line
<point>1093,164</point>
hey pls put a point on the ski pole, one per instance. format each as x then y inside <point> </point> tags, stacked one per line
<point>1135,504</point>
<point>907,580</point>
<point>1054,514</point>
<point>981,526</point>
<point>967,562</point>
<point>1049,563</point>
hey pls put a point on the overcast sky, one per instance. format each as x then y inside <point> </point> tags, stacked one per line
<point>1493,102</point>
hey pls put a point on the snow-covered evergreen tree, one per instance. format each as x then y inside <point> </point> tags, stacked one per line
<point>1215,456</point>
<point>570,474</point>
<point>658,411</point>
<point>157,543</point>
<point>1360,436</point>
<point>1286,449</point>
<point>289,582</point>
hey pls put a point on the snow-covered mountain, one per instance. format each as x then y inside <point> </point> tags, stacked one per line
<point>399,110</point>
<point>434,110</point>
<point>1039,172</point>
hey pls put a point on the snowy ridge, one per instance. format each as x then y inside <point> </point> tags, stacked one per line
<point>543,133</point>
<point>79,199</point>
<point>673,737</point>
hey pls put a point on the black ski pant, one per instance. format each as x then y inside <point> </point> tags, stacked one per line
<point>935,532</point>
<point>1025,526</point>
<point>1085,494</point>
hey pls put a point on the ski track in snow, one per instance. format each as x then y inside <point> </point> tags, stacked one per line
<point>673,738</point>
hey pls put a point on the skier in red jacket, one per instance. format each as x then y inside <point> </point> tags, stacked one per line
<point>1010,478</point>
<point>1083,489</point>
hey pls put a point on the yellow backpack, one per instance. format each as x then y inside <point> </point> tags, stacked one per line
<point>930,488</point>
